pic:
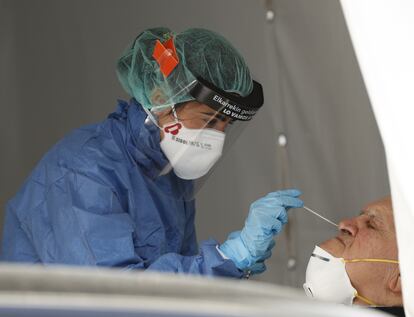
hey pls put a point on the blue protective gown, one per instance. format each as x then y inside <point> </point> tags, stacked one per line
<point>93,200</point>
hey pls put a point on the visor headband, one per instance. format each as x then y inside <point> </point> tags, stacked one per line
<point>235,107</point>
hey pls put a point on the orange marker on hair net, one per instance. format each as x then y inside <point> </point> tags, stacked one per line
<point>166,56</point>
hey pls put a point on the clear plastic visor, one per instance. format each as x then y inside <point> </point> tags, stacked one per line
<point>193,138</point>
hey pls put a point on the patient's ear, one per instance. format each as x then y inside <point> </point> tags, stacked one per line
<point>394,284</point>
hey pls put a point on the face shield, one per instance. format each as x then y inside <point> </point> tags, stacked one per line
<point>197,90</point>
<point>197,133</point>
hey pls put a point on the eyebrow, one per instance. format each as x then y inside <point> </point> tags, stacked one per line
<point>373,214</point>
<point>218,115</point>
<point>370,213</point>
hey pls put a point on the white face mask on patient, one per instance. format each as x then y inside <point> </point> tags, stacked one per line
<point>327,279</point>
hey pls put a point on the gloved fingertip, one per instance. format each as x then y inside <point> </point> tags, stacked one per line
<point>286,192</point>
<point>293,192</point>
<point>267,255</point>
<point>292,202</point>
<point>284,219</point>
<point>277,227</point>
<point>258,268</point>
<point>299,204</point>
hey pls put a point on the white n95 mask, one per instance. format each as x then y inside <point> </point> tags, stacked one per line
<point>327,279</point>
<point>191,152</point>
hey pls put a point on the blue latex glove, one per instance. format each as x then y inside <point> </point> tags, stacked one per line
<point>259,266</point>
<point>249,248</point>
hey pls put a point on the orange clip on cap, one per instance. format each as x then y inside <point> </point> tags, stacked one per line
<point>166,56</point>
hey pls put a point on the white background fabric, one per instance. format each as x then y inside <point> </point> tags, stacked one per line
<point>57,62</point>
<point>385,52</point>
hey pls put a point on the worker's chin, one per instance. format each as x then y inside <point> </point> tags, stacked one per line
<point>333,246</point>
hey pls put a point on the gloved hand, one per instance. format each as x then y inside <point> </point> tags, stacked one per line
<point>249,248</point>
<point>259,266</point>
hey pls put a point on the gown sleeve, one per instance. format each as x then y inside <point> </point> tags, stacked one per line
<point>81,221</point>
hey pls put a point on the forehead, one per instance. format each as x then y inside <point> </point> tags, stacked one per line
<point>196,107</point>
<point>382,210</point>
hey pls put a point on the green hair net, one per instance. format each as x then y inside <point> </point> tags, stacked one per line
<point>201,53</point>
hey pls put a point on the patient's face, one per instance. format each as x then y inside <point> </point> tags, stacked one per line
<point>371,234</point>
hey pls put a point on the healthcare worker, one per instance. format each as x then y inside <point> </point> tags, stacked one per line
<point>121,193</point>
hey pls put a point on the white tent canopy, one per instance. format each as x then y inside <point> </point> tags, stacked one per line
<point>382,32</point>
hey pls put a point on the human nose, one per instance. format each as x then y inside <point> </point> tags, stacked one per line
<point>349,227</point>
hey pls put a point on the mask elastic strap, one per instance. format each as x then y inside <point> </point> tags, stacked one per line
<point>175,114</point>
<point>365,300</point>
<point>372,260</point>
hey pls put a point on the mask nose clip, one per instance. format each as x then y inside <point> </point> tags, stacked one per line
<point>308,290</point>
